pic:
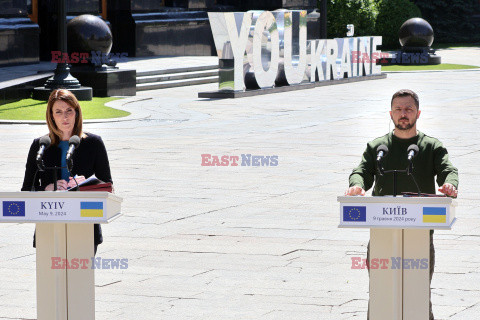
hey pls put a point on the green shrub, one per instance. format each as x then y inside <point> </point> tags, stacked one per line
<point>391,15</point>
<point>451,20</point>
<point>360,13</point>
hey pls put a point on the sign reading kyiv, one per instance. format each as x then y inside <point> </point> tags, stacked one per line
<point>262,49</point>
<point>38,209</point>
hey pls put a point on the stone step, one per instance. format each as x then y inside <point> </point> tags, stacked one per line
<point>176,76</point>
<point>176,83</point>
<point>176,70</point>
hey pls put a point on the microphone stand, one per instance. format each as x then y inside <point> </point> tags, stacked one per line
<point>55,175</point>
<point>381,172</point>
<point>41,167</point>
<point>408,171</point>
<point>69,168</point>
<point>395,175</point>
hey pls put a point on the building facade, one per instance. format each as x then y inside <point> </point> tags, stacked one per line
<point>140,28</point>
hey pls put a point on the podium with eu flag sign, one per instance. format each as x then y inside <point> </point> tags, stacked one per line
<point>64,246</point>
<point>399,249</point>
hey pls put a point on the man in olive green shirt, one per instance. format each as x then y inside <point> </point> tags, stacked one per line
<point>430,162</point>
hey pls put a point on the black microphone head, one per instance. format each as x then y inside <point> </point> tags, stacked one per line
<point>75,140</point>
<point>45,141</point>
<point>413,147</point>
<point>383,148</point>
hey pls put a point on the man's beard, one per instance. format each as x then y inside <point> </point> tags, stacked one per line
<point>408,126</point>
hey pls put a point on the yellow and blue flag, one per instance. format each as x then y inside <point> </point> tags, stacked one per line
<point>435,214</point>
<point>14,208</point>
<point>355,214</point>
<point>91,209</point>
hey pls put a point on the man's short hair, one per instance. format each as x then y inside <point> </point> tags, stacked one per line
<point>406,93</point>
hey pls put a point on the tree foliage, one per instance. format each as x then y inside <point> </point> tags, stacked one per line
<point>451,20</point>
<point>360,13</point>
<point>391,15</point>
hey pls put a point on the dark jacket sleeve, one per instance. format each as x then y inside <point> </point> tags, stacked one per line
<point>364,175</point>
<point>31,169</point>
<point>444,169</point>
<point>102,165</point>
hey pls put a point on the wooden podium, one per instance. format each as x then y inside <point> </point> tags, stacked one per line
<point>400,233</point>
<point>65,247</point>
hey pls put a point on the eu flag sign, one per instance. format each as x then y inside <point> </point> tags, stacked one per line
<point>14,208</point>
<point>355,214</point>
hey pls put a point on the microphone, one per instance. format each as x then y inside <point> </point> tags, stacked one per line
<point>382,151</point>
<point>412,152</point>
<point>73,143</point>
<point>44,142</point>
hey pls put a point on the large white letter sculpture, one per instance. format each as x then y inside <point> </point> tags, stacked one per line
<point>265,49</point>
<point>230,33</point>
<point>261,49</point>
<point>292,26</point>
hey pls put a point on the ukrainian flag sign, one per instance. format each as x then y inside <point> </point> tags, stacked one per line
<point>434,214</point>
<point>91,209</point>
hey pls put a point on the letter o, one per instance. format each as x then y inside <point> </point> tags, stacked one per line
<point>266,65</point>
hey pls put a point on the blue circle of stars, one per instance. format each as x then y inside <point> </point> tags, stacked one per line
<point>352,216</point>
<point>15,207</point>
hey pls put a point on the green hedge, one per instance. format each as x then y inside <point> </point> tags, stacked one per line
<point>451,20</point>
<point>361,13</point>
<point>391,15</point>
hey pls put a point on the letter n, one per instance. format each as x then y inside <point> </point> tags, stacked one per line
<point>396,263</point>
<point>246,159</point>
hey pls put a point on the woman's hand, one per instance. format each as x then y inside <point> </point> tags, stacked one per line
<point>61,185</point>
<point>71,182</point>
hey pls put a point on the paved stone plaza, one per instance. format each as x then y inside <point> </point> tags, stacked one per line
<point>241,242</point>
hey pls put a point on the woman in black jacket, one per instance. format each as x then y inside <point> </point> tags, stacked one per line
<point>64,120</point>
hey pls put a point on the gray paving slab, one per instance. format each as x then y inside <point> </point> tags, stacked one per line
<point>140,64</point>
<point>253,242</point>
<point>462,55</point>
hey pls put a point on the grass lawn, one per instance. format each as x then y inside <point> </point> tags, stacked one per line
<point>443,66</point>
<point>29,109</point>
<point>439,46</point>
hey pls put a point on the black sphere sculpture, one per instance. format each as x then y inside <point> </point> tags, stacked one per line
<point>416,33</point>
<point>416,37</point>
<point>87,33</point>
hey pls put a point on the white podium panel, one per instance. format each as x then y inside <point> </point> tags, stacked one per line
<point>64,236</point>
<point>59,207</point>
<point>397,212</point>
<point>400,235</point>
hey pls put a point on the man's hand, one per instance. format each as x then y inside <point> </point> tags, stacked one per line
<point>449,190</point>
<point>355,191</point>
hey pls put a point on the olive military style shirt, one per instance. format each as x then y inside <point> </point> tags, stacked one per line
<point>431,160</point>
